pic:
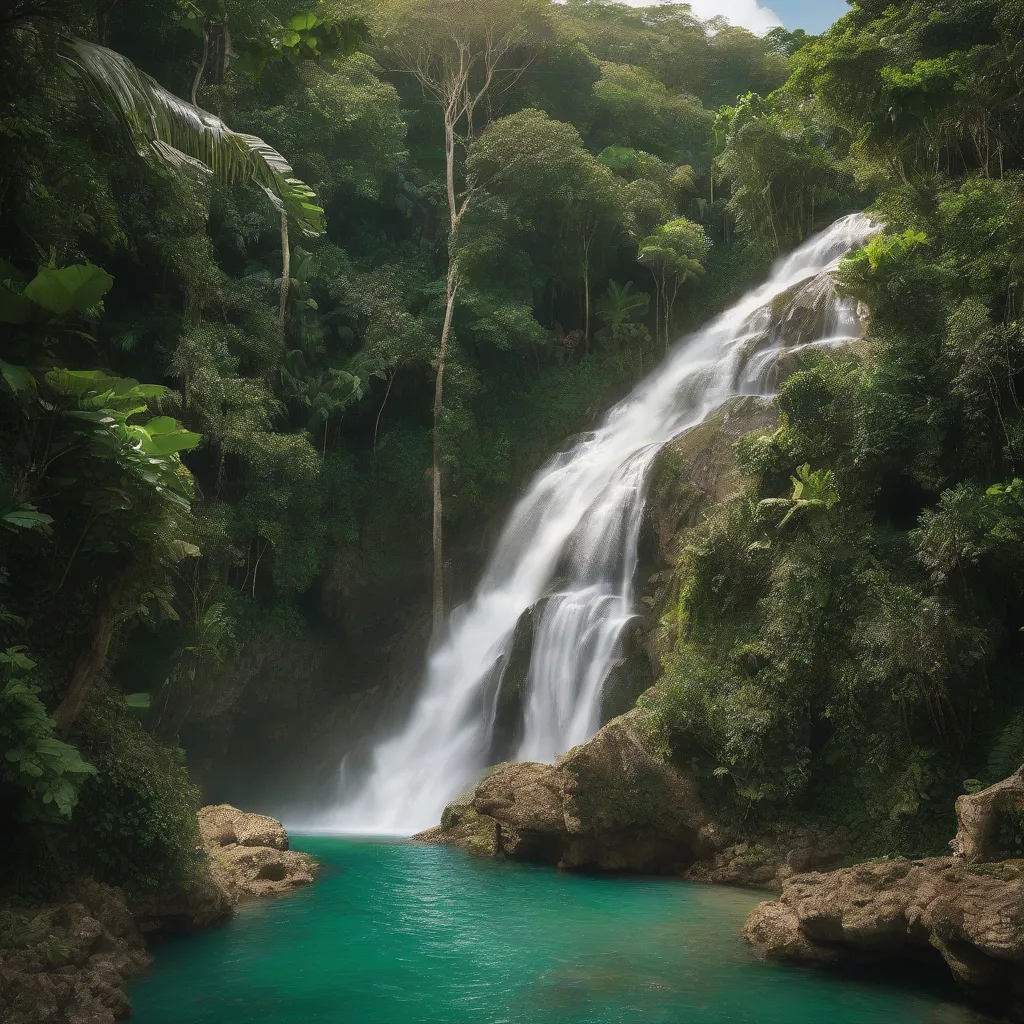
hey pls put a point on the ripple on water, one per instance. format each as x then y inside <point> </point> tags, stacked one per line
<point>396,933</point>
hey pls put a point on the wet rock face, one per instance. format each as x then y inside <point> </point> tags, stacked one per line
<point>510,701</point>
<point>804,317</point>
<point>249,854</point>
<point>75,963</point>
<point>970,917</point>
<point>699,469</point>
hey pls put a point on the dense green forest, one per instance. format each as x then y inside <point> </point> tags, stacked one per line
<point>847,636</point>
<point>294,296</point>
<point>261,363</point>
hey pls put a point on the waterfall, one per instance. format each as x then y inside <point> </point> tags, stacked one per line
<point>573,538</point>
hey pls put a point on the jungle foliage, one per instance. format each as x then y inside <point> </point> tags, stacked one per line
<point>846,633</point>
<point>276,316</point>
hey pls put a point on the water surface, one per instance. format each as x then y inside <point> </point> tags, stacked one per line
<point>397,933</point>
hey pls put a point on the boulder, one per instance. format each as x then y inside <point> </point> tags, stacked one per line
<point>224,825</point>
<point>628,808</point>
<point>942,909</point>
<point>611,804</point>
<point>249,855</point>
<point>983,816</point>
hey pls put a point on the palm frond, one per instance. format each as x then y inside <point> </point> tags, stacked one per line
<point>168,129</point>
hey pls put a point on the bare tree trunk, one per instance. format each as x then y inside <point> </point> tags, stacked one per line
<point>438,531</point>
<point>225,57</point>
<point>657,309</point>
<point>202,62</point>
<point>586,293</point>
<point>666,307</point>
<point>286,269</point>
<point>669,318</point>
<point>376,426</point>
<point>91,661</point>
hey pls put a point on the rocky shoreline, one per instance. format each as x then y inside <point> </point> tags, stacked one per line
<point>934,911</point>
<point>71,963</point>
<point>966,911</point>
<point>614,804</point>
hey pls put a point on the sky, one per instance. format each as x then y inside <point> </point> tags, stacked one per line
<point>812,15</point>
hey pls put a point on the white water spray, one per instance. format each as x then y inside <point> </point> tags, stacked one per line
<point>580,521</point>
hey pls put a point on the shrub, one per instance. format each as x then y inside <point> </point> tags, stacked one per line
<point>42,774</point>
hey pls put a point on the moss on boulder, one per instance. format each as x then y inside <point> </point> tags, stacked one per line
<point>463,826</point>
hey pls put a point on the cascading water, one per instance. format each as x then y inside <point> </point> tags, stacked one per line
<point>579,523</point>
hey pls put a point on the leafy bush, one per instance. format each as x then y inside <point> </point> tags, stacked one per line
<point>47,773</point>
<point>136,821</point>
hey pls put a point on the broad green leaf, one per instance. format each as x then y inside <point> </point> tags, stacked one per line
<point>27,518</point>
<point>75,382</point>
<point>303,22</point>
<point>163,425</point>
<point>69,290</point>
<point>171,130</point>
<point>138,700</point>
<point>18,378</point>
<point>170,444</point>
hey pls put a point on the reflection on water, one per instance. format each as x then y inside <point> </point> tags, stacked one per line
<point>396,933</point>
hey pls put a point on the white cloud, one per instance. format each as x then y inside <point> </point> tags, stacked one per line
<point>748,13</point>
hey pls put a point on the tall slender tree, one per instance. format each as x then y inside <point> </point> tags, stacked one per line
<point>463,53</point>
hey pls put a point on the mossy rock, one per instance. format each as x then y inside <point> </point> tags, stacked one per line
<point>612,803</point>
<point>464,827</point>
